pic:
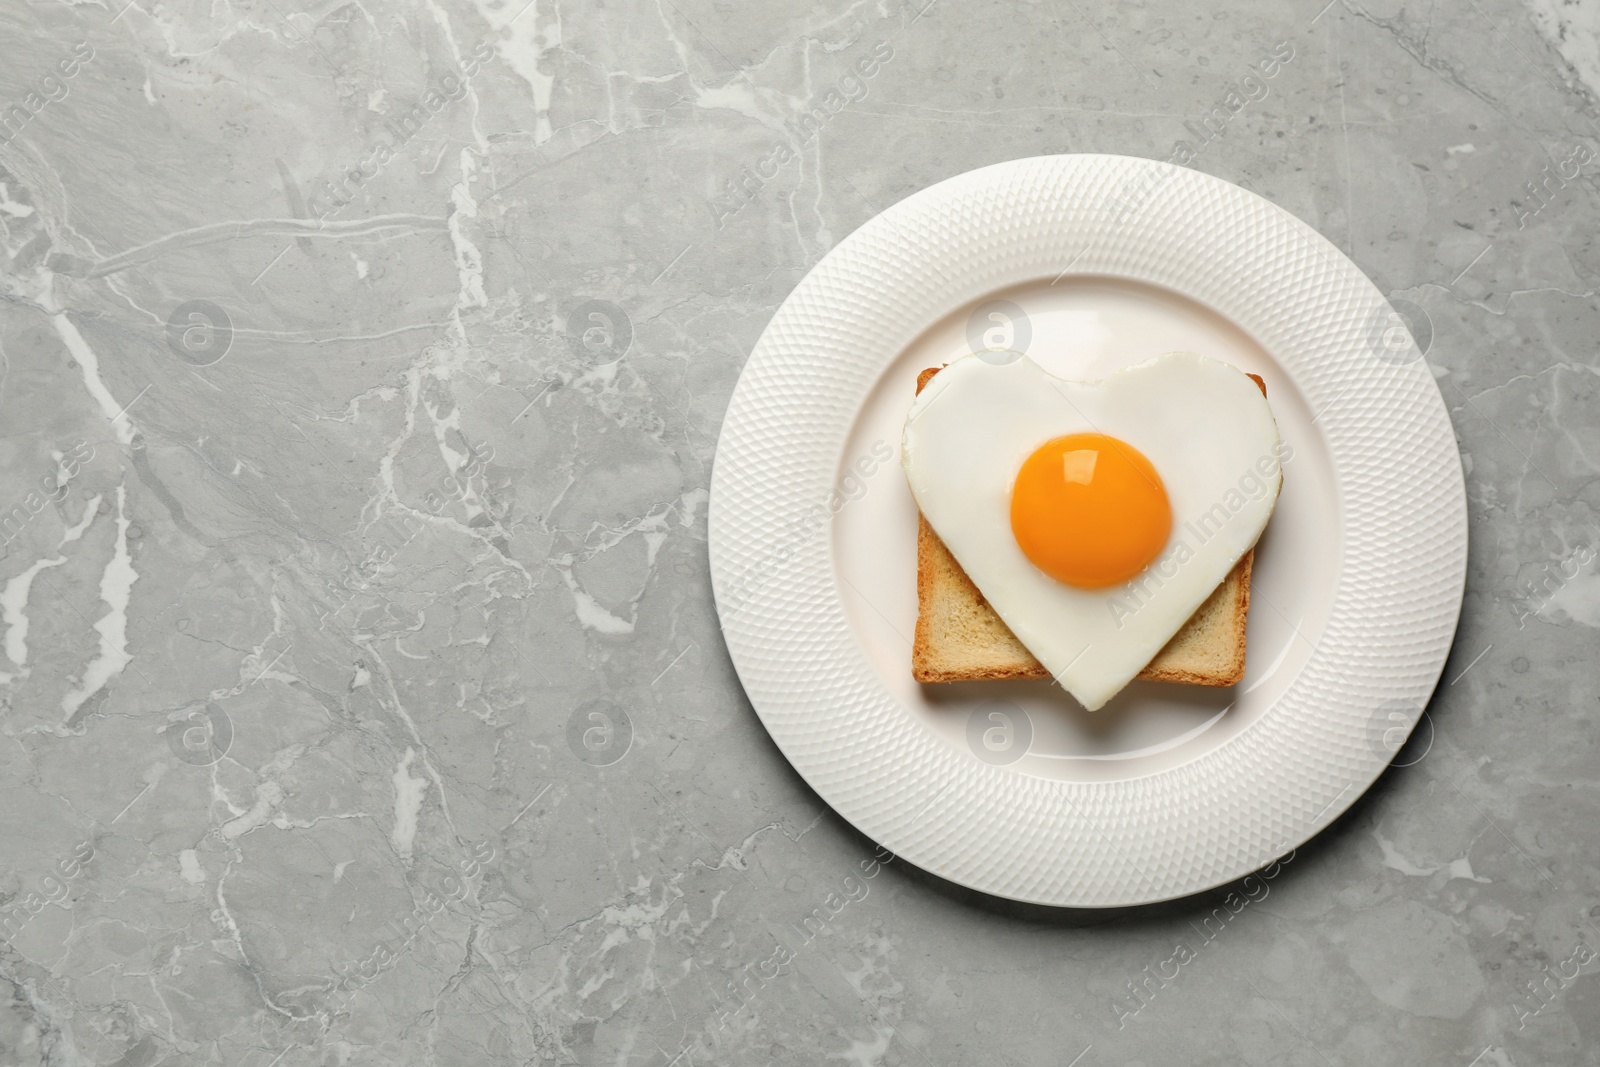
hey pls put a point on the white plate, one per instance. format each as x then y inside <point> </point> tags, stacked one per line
<point>1012,788</point>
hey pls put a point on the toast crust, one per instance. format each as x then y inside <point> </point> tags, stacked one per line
<point>959,637</point>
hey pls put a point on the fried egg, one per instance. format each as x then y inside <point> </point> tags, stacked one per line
<point>1095,517</point>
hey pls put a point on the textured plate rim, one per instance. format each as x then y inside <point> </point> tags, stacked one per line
<point>1139,840</point>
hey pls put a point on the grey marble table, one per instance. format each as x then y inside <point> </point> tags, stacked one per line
<point>362,699</point>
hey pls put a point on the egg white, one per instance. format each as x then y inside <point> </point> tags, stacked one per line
<point>1203,425</point>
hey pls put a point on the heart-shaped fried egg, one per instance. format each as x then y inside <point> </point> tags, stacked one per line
<point>1095,517</point>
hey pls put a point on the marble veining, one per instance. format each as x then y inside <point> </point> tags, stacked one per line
<point>362,699</point>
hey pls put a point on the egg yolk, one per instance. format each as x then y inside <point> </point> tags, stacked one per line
<point>1089,510</point>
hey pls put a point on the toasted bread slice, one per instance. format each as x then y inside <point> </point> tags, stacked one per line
<point>959,638</point>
